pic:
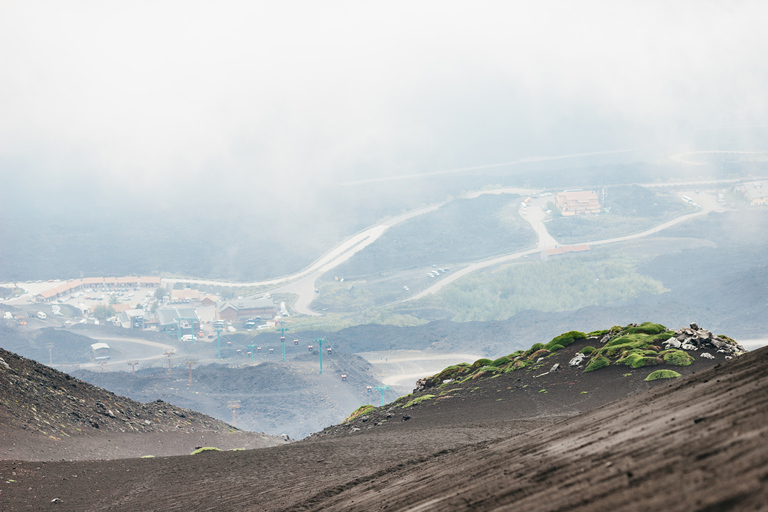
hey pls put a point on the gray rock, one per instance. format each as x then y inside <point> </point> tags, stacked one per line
<point>576,361</point>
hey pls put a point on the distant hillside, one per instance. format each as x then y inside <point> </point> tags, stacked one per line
<point>462,230</point>
<point>69,347</point>
<point>45,411</point>
<point>274,397</point>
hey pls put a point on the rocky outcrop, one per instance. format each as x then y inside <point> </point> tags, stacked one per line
<point>34,397</point>
<point>694,338</point>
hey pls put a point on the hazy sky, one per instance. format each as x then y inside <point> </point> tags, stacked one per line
<point>137,94</point>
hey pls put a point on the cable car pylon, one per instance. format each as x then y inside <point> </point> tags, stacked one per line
<point>282,338</point>
<point>320,341</point>
<point>382,389</point>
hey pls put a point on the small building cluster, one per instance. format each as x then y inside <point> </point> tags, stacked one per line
<point>580,202</point>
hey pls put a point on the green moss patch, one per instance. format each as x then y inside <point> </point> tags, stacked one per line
<point>205,449</point>
<point>677,358</point>
<point>662,374</point>
<point>647,328</point>
<point>360,411</point>
<point>480,363</point>
<point>539,353</point>
<point>597,363</point>
<point>534,348</point>
<point>565,339</point>
<point>417,401</point>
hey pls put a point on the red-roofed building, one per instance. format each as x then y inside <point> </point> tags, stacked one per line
<point>208,300</point>
<point>93,282</point>
<point>149,281</point>
<point>582,202</point>
<point>128,281</point>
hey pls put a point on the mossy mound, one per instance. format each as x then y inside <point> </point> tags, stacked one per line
<point>647,328</point>
<point>565,339</point>
<point>360,411</point>
<point>480,363</point>
<point>418,400</point>
<point>637,359</point>
<point>205,449</point>
<point>500,362</point>
<point>539,353</point>
<point>534,348</point>
<point>677,358</point>
<point>662,374</point>
<point>597,363</point>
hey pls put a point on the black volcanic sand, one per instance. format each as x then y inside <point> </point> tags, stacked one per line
<point>695,443</point>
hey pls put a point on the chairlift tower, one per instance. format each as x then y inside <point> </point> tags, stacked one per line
<point>251,346</point>
<point>382,389</point>
<point>133,364</point>
<point>282,338</point>
<point>218,343</point>
<point>169,353</point>
<point>49,346</point>
<point>320,342</point>
<point>233,405</point>
<point>189,363</point>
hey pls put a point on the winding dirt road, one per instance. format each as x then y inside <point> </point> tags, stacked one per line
<point>535,217</point>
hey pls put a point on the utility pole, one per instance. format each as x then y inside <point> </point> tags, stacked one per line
<point>189,363</point>
<point>218,343</point>
<point>50,353</point>
<point>102,366</point>
<point>169,353</point>
<point>382,389</point>
<point>251,346</point>
<point>320,341</point>
<point>282,337</point>
<point>133,364</point>
<point>234,405</point>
